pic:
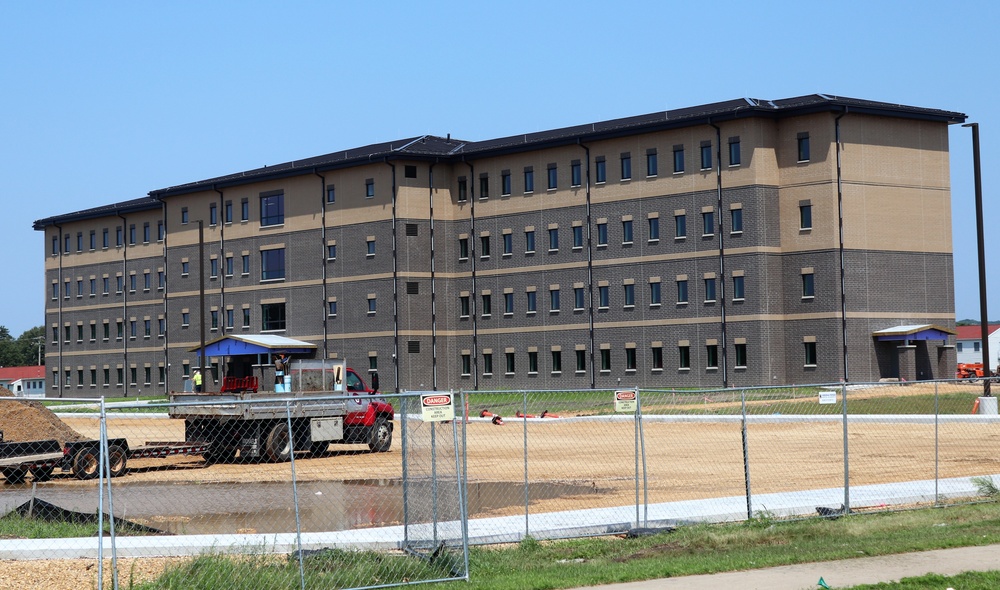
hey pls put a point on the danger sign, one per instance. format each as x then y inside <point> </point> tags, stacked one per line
<point>437,407</point>
<point>626,401</point>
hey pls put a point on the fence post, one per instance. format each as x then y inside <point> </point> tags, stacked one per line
<point>104,475</point>
<point>527,491</point>
<point>295,490</point>
<point>847,455</point>
<point>746,451</point>
<point>403,414</point>
<point>937,415</point>
<point>463,512</point>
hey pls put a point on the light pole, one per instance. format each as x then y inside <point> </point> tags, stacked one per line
<point>984,320</point>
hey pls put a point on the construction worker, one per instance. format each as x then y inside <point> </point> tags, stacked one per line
<point>197,380</point>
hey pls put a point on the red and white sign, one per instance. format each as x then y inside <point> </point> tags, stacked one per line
<point>626,401</point>
<point>437,407</point>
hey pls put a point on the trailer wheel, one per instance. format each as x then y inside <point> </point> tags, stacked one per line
<point>86,463</point>
<point>278,445</point>
<point>219,454</point>
<point>15,475</point>
<point>42,472</point>
<point>117,460</point>
<point>319,447</point>
<point>380,437</point>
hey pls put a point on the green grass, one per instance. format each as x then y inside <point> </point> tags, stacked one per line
<point>697,549</point>
<point>965,581</point>
<point>13,526</point>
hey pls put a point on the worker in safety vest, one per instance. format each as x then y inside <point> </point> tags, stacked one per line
<point>197,380</point>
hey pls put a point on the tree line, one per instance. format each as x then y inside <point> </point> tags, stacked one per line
<point>23,351</point>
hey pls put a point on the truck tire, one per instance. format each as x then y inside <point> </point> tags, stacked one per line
<point>86,463</point>
<point>117,459</point>
<point>278,445</point>
<point>217,453</point>
<point>15,475</point>
<point>42,473</point>
<point>319,448</point>
<point>380,436</point>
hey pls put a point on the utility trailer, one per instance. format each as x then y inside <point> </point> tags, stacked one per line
<point>255,425</point>
<point>41,458</point>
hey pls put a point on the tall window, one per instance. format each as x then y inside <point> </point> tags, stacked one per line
<point>736,221</point>
<point>581,361</point>
<point>272,316</point>
<point>605,360</point>
<point>487,310</point>
<point>245,210</point>
<point>529,241</point>
<point>678,159</point>
<point>708,223</point>
<point>272,209</point>
<point>630,295</point>
<point>810,354</point>
<point>803,147</point>
<point>484,187</point>
<point>463,303</point>
<point>93,239</point>
<point>370,188</point>
<point>509,360</point>
<point>805,216</point>
<point>508,244</point>
<point>654,229</point>
<point>331,194</point>
<point>600,170</point>
<point>229,212</point>
<point>741,355</point>
<point>602,234</point>
<point>656,357</point>
<point>682,291</point>
<point>484,246</point>
<point>684,357</point>
<point>626,165</point>
<point>529,179</point>
<point>272,264</point>
<point>603,297</point>
<point>553,176</point>
<point>487,363</point>
<point>627,231</point>
<point>554,300</point>
<point>709,290</point>
<point>213,214</point>
<point>738,289</point>
<point>185,218</point>
<point>711,356</point>
<point>508,303</point>
<point>575,173</point>
<point>553,239</point>
<point>808,285</point>
<point>466,365</point>
<point>706,156</point>
<point>463,248</point>
<point>463,193</point>
<point>680,226</point>
<point>557,361</point>
<point>532,362</point>
<point>578,298</point>
<point>654,294</point>
<point>630,361</point>
<point>734,151</point>
<point>577,237</point>
<point>532,302</point>
<point>651,165</point>
<point>505,183</point>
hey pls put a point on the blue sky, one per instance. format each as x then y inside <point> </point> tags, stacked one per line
<point>103,102</point>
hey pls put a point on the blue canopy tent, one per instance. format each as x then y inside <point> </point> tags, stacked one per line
<point>259,346</point>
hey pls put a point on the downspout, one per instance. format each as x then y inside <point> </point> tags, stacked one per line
<point>166,314</point>
<point>472,255</point>
<point>395,282</point>
<point>840,222</point>
<point>322,251</point>
<point>220,221</point>
<point>590,270</point>
<point>125,331</point>
<point>430,200</point>
<point>59,316</point>
<point>722,251</point>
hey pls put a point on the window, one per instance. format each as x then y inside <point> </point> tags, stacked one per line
<point>601,170</point>
<point>104,238</point>
<point>734,151</point>
<point>132,331</point>
<point>147,328</point>
<point>119,238</point>
<point>654,229</point>
<point>741,356</point>
<point>93,239</point>
<point>508,244</point>
<point>272,316</point>
<point>553,174</point>
<point>185,268</point>
<point>145,281</point>
<point>630,295</point>
<point>682,291</point>
<point>575,173</point>
<point>272,209</point>
<point>229,266</point>
<point>79,241</point>
<point>213,214</point>
<point>161,327</point>
<point>370,188</point>
<point>463,190</point>
<point>487,363</point>
<point>738,289</point>
<point>709,290</point>
<point>627,231</point>
<point>79,287</point>
<point>805,216</point>
<point>651,167</point>
<point>630,361</point>
<point>93,287</point>
<point>229,212</point>
<point>803,147</point>
<point>184,216</point>
<point>509,359</point>
<point>678,159</point>
<point>626,165</point>
<point>106,335</point>
<point>160,231</point>
<point>529,241</point>
<point>331,308</point>
<point>603,296</point>
<point>602,234</point>
<point>484,246</point>
<point>185,319</point>
<point>484,186</point>
<point>246,317</point>
<point>106,285</point>
<point>529,180</point>
<point>272,264</point>
<point>532,362</point>
<point>736,221</point>
<point>532,302</point>
<point>463,248</point>
<point>577,237</point>
<point>214,314</point>
<point>370,246</point>
<point>654,294</point>
<point>711,356</point>
<point>246,264</point>
<point>505,183</point>
<point>808,285</point>
<point>553,239</point>
<point>372,304</point>
<point>581,361</point>
<point>680,226</point>
<point>553,300</point>
<point>656,357</point>
<point>119,285</point>
<point>487,305</point>
<point>245,210</point>
<point>578,298</point>
<point>605,360</point>
<point>708,223</point>
<point>409,171</point>
<point>79,333</point>
<point>508,303</point>
<point>66,246</point>
<point>230,319</point>
<point>557,361</point>
<point>810,350</point>
<point>213,268</point>
<point>706,156</point>
<point>466,365</point>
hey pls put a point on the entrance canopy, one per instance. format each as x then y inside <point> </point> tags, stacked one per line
<point>233,345</point>
<point>913,332</point>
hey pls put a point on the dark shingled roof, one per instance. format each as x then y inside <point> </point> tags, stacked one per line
<point>140,204</point>
<point>430,147</point>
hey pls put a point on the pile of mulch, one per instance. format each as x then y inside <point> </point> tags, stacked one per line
<point>26,420</point>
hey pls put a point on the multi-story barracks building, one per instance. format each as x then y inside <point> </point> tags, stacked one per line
<point>740,243</point>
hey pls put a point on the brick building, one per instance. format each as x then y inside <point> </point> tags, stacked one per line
<point>698,247</point>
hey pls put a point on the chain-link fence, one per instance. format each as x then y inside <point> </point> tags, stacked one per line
<point>251,488</point>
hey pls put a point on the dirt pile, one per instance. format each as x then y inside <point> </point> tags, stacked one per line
<point>25,420</point>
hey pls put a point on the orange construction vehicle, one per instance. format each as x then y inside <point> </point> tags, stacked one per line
<point>969,371</point>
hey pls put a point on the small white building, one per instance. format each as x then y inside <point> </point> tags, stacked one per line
<point>24,381</point>
<point>969,344</point>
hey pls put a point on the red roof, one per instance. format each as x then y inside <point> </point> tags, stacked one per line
<point>14,373</point>
<point>974,332</point>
